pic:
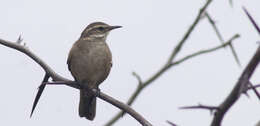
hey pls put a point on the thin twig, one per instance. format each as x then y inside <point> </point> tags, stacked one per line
<point>140,82</point>
<point>206,51</point>
<point>210,108</point>
<point>252,20</point>
<point>254,86</point>
<point>235,54</point>
<point>251,86</point>
<point>186,36</point>
<point>126,108</point>
<point>213,24</point>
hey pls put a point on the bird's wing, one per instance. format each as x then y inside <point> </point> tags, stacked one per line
<point>69,58</point>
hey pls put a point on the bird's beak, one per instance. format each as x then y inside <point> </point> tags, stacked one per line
<point>114,27</point>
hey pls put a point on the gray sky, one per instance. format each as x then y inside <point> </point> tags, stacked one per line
<point>150,31</point>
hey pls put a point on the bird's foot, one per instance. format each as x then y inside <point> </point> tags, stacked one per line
<point>97,92</point>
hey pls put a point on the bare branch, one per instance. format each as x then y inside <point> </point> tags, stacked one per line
<point>206,51</point>
<point>165,67</point>
<point>57,77</point>
<point>210,108</point>
<point>237,90</point>
<point>126,108</point>
<point>212,22</point>
<point>26,51</point>
<point>187,34</point>
<point>235,54</point>
<point>240,86</point>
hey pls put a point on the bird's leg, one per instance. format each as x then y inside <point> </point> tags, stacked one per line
<point>97,90</point>
<point>94,91</point>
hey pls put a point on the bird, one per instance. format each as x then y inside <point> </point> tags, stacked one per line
<point>90,62</point>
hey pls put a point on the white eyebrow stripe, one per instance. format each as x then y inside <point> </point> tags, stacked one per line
<point>96,26</point>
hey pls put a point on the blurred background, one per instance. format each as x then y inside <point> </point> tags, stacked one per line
<point>151,29</point>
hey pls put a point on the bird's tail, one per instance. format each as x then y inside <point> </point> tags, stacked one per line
<point>87,105</point>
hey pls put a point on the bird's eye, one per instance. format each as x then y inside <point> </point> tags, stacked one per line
<point>101,28</point>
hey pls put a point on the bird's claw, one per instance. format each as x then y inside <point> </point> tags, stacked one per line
<point>97,92</point>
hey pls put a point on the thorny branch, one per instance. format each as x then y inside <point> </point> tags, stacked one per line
<point>146,83</point>
<point>237,90</point>
<point>56,77</point>
<point>243,84</point>
<point>170,62</point>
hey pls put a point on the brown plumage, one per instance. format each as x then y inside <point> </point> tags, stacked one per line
<point>89,62</point>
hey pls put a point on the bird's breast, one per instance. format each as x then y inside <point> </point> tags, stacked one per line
<point>93,64</point>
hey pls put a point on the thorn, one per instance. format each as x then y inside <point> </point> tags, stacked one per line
<point>39,93</point>
<point>171,123</point>
<point>252,20</point>
<point>140,82</point>
<point>19,40</point>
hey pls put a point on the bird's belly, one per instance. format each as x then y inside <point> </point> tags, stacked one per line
<point>94,68</point>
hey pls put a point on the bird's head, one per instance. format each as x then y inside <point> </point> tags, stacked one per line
<point>97,30</point>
